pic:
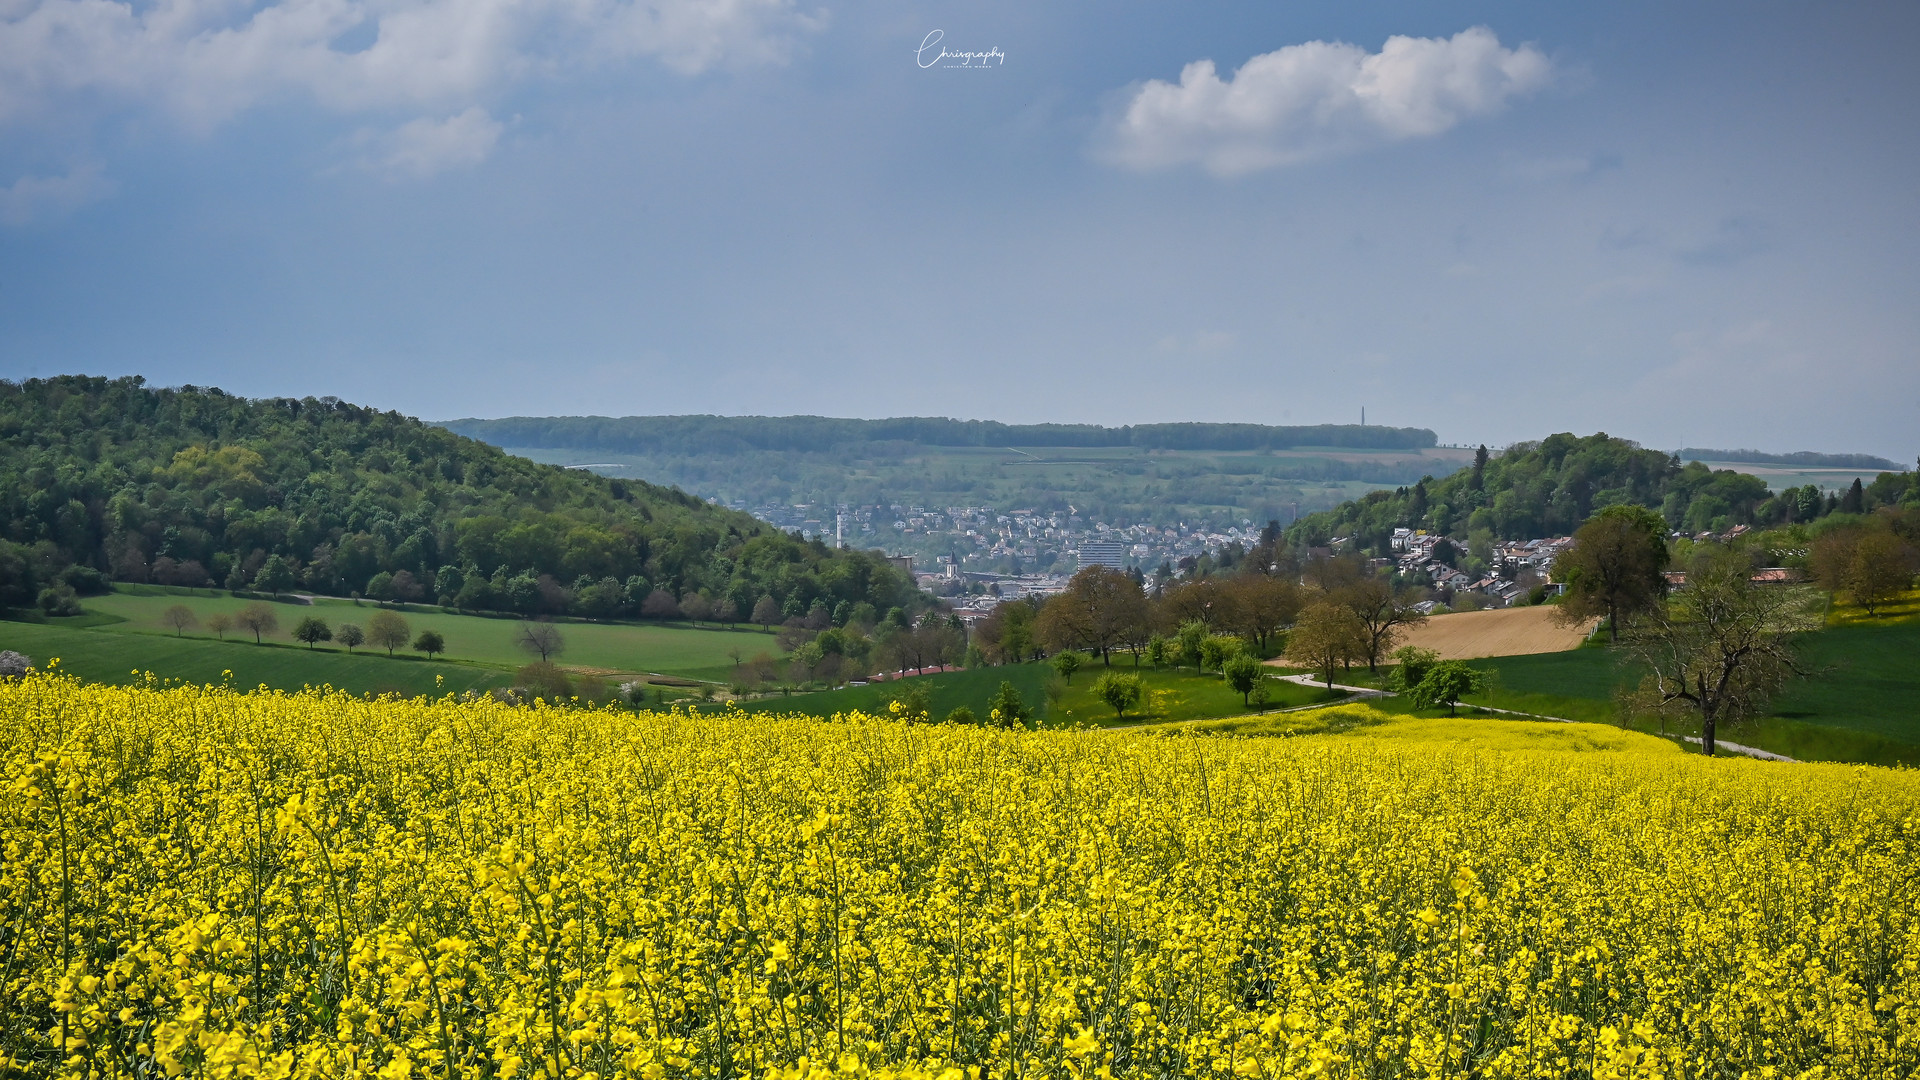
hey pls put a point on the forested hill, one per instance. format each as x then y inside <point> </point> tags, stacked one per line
<point>1806,459</point>
<point>742,434</point>
<point>1548,488</point>
<point>195,486</point>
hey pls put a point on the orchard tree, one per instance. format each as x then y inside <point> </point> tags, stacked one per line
<point>1243,673</point>
<point>430,642</point>
<point>1192,636</point>
<point>259,619</point>
<point>1156,651</point>
<point>1259,605</point>
<point>1880,570</point>
<point>541,639</point>
<point>695,607</point>
<point>1121,690</point>
<point>180,617</point>
<point>1383,613</point>
<point>1723,646</point>
<point>312,630</point>
<point>1327,635</point>
<point>766,612</point>
<point>1445,683</point>
<point>388,630</point>
<point>1066,664</point>
<point>220,622</point>
<point>1616,568</point>
<point>1006,708</point>
<point>349,635</point>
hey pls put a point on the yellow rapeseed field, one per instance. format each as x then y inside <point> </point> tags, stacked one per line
<point>203,882</point>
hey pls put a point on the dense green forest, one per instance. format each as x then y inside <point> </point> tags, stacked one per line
<point>1548,488</point>
<point>111,479</point>
<point>735,434</point>
<point>1806,459</point>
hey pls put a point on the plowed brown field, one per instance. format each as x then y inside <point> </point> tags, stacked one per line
<point>1467,635</point>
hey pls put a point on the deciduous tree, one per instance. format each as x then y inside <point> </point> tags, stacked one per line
<point>388,630</point>
<point>1243,673</point>
<point>1121,690</point>
<point>1723,646</point>
<point>312,630</point>
<point>1066,664</point>
<point>349,635</point>
<point>541,639</point>
<point>1383,612</point>
<point>220,622</point>
<point>258,618</point>
<point>1102,609</point>
<point>1191,636</point>
<point>180,617</point>
<point>1261,605</point>
<point>430,642</point>
<point>1006,707</point>
<point>1880,570</point>
<point>275,576</point>
<point>1445,683</point>
<point>1616,567</point>
<point>1327,635</point>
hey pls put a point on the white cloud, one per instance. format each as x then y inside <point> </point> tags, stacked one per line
<point>32,199</point>
<point>421,148</point>
<point>206,60</point>
<point>1318,98</point>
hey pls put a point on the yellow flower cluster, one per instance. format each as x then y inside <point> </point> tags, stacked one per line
<point>195,881</point>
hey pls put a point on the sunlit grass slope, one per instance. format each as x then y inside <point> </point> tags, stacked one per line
<point>99,656</point>
<point>675,650</point>
<point>204,883</point>
<point>1361,721</point>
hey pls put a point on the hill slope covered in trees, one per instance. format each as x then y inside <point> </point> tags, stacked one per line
<point>736,434</point>
<point>109,478</point>
<point>1548,488</point>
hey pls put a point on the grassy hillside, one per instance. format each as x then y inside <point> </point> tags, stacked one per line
<point>702,653</point>
<point>121,636</point>
<point>1172,695</point>
<point>122,659</point>
<point>1372,723</point>
<point>1863,705</point>
<point>949,690</point>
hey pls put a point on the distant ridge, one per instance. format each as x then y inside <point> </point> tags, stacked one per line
<point>740,434</point>
<point>1805,458</point>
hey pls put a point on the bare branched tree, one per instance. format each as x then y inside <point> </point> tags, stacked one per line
<point>540,639</point>
<point>1723,646</point>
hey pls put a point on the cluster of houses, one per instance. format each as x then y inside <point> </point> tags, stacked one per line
<point>1516,565</point>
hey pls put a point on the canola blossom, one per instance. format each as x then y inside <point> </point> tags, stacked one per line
<point>200,882</point>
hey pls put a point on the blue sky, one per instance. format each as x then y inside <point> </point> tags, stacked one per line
<point>1685,224</point>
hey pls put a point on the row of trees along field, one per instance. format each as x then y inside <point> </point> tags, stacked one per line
<point>111,480</point>
<point>1550,487</point>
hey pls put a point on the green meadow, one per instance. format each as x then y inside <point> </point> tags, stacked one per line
<point>97,654</point>
<point>1172,695</point>
<point>1862,702</point>
<point>123,633</point>
<point>668,649</point>
<point>948,690</point>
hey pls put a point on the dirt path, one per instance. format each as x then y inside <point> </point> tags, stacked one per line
<point>1469,635</point>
